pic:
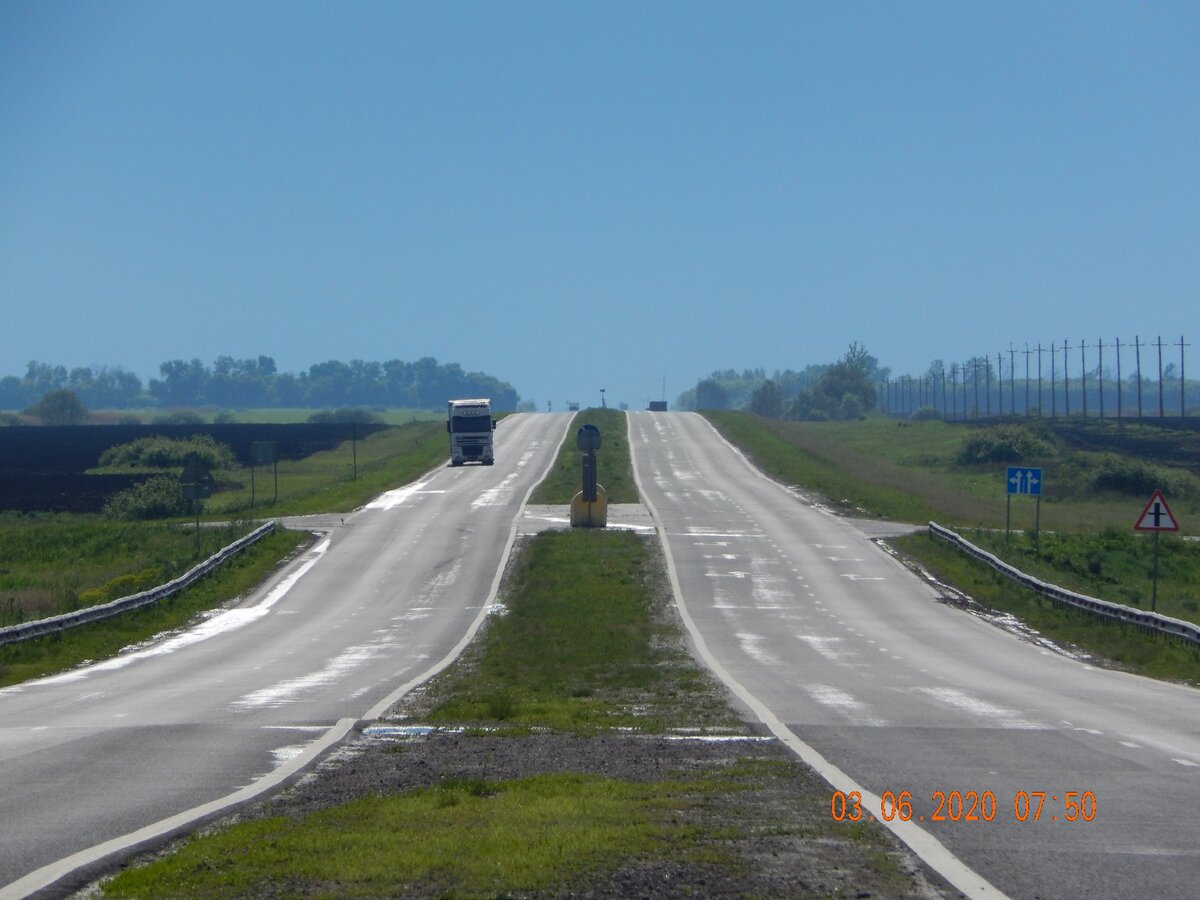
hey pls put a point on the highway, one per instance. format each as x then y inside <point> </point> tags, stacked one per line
<point>850,657</point>
<point>122,752</point>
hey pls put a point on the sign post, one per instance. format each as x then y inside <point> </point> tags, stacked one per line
<point>1156,518</point>
<point>589,508</point>
<point>1023,480</point>
<point>196,480</point>
<point>262,453</point>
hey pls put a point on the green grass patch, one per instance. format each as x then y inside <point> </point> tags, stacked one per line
<point>472,838</point>
<point>613,468</point>
<point>580,646</point>
<point>337,480</point>
<point>1113,565</point>
<point>815,459</point>
<point>58,652</point>
<point>1129,647</point>
<point>56,563</point>
<point>919,471</point>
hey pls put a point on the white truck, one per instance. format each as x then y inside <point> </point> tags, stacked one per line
<point>470,426</point>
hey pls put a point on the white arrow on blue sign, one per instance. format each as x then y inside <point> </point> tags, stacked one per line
<point>1024,480</point>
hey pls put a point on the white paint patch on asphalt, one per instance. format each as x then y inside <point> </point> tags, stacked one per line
<point>975,706</point>
<point>752,646</point>
<point>499,494</point>
<point>392,499</point>
<point>843,703</point>
<point>833,649</point>
<point>218,622</point>
<point>291,690</point>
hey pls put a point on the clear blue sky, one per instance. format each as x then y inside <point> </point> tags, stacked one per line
<point>572,196</point>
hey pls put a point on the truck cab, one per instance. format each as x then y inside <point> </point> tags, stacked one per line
<point>470,425</point>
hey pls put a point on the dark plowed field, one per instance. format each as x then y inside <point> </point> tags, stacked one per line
<point>1173,442</point>
<point>42,468</point>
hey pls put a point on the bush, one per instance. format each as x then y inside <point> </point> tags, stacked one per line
<point>1131,476</point>
<point>925,413</point>
<point>1004,443</point>
<point>121,586</point>
<point>159,497</point>
<point>159,452</point>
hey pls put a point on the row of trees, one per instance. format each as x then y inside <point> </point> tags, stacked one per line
<point>841,390</point>
<point>254,383</point>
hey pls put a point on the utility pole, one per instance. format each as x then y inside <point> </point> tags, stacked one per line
<point>954,389</point>
<point>1182,381</point>
<point>1119,384</point>
<point>1012,381</point>
<point>1027,352</point>
<point>1066,381</point>
<point>1161,409</point>
<point>1100,374</point>
<point>1041,403</point>
<point>1083,374</point>
<point>975,381</point>
<point>964,375</point>
<point>1053,386</point>
<point>1137,346</point>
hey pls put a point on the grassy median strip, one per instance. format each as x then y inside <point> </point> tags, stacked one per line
<point>584,660</point>
<point>613,469</point>
<point>580,647</point>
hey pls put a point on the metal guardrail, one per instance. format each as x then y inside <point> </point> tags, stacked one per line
<point>1176,628</point>
<point>13,634</point>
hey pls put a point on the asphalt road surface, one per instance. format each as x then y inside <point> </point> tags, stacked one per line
<point>854,661</point>
<point>121,752</point>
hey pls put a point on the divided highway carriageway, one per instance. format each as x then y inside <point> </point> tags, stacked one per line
<point>108,756</point>
<point>1019,770</point>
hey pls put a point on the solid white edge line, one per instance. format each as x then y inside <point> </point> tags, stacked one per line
<point>930,850</point>
<point>55,871</point>
<point>47,875</point>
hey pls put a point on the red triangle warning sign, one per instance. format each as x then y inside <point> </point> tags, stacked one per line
<point>1156,516</point>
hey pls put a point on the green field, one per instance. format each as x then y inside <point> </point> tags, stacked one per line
<point>910,472</point>
<point>54,564</point>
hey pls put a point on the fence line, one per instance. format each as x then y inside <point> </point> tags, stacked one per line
<point>954,391</point>
<point>13,634</point>
<point>1154,622</point>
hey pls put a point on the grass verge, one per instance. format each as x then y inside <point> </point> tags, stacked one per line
<point>59,652</point>
<point>337,480</point>
<point>582,670</point>
<point>1125,646</point>
<point>913,471</point>
<point>613,469</point>
<point>51,564</point>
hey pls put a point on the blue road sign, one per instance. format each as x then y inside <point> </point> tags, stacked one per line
<point>1024,480</point>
